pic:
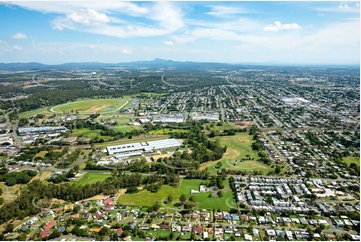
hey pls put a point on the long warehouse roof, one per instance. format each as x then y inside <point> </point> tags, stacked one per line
<point>145,146</point>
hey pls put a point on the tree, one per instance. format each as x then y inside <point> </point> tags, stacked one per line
<point>183,198</point>
<point>169,198</point>
<point>193,198</point>
<point>76,209</point>
<point>156,206</point>
<point>114,173</point>
<point>9,228</point>
<point>278,170</point>
<point>23,121</point>
<point>269,200</point>
<point>104,231</point>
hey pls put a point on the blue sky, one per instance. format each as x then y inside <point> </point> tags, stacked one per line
<point>55,32</point>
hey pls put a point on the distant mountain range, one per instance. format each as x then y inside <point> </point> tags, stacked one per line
<point>156,63</point>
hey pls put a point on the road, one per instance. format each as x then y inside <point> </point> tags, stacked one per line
<point>14,127</point>
<point>274,148</point>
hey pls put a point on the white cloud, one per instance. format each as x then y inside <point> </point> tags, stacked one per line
<point>2,42</point>
<point>343,7</point>
<point>279,26</point>
<point>159,18</point>
<point>17,47</point>
<point>168,42</point>
<point>127,52</point>
<point>67,7</point>
<point>320,14</point>
<point>168,15</point>
<point>87,16</point>
<point>239,25</point>
<point>223,11</point>
<point>334,36</point>
<point>7,50</point>
<point>20,36</point>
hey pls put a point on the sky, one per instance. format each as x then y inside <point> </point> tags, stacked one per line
<point>296,32</point>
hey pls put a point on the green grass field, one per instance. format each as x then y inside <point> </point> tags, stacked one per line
<point>224,126</point>
<point>250,166</point>
<point>350,159</point>
<point>167,131</point>
<point>147,198</point>
<point>31,113</point>
<point>203,201</point>
<point>238,146</point>
<point>91,178</point>
<point>88,133</point>
<point>122,120</point>
<point>91,106</point>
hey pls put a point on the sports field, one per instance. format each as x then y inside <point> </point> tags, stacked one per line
<point>91,106</point>
<point>91,178</point>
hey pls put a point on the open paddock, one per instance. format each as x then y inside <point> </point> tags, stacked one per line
<point>147,198</point>
<point>91,178</point>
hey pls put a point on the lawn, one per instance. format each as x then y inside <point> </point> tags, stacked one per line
<point>31,113</point>
<point>88,133</point>
<point>122,120</point>
<point>147,198</point>
<point>238,146</point>
<point>224,126</point>
<point>91,106</point>
<point>163,233</point>
<point>168,131</point>
<point>350,159</point>
<point>250,166</point>
<point>13,191</point>
<point>203,201</point>
<point>91,178</point>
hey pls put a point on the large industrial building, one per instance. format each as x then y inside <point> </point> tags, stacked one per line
<point>210,116</point>
<point>133,149</point>
<point>42,130</point>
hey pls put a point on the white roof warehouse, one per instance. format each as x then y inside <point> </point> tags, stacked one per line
<point>138,148</point>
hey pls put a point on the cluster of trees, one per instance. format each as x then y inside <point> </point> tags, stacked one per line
<point>105,131</point>
<point>12,178</point>
<point>216,181</point>
<point>226,132</point>
<point>22,206</point>
<point>23,122</point>
<point>203,150</point>
<point>64,177</point>
<point>69,159</point>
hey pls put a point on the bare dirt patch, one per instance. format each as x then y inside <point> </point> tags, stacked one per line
<point>69,206</point>
<point>243,124</point>
<point>41,176</point>
<point>96,108</point>
<point>122,191</point>
<point>155,157</point>
<point>41,153</point>
<point>96,197</point>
